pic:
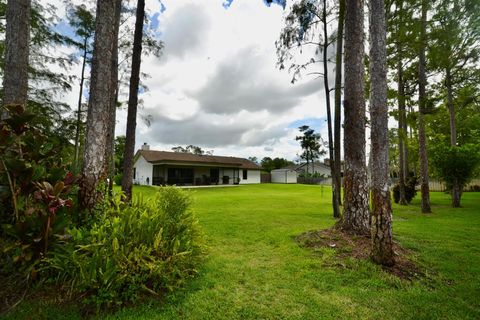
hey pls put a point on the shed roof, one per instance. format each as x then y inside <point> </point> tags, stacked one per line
<point>154,156</point>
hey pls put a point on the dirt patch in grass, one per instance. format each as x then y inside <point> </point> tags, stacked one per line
<point>358,247</point>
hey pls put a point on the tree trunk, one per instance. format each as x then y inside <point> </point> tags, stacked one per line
<point>356,215</point>
<point>401,133</point>
<point>95,162</point>
<point>127,179</point>
<point>338,103</point>
<point>422,82</point>
<point>79,107</point>
<point>17,36</point>
<point>456,190</point>
<point>110,150</point>
<point>382,250</point>
<point>336,209</point>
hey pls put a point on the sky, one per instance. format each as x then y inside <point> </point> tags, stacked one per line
<point>217,84</point>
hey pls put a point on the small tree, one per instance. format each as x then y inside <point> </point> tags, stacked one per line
<point>310,143</point>
<point>456,167</point>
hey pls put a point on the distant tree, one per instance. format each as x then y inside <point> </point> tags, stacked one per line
<point>454,51</point>
<point>192,149</point>
<point>17,36</point>
<point>253,159</point>
<point>310,142</point>
<point>456,165</point>
<point>269,164</point>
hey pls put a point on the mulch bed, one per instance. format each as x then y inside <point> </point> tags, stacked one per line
<point>358,247</point>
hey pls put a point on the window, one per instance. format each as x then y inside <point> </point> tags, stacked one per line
<point>245,174</point>
<point>134,173</point>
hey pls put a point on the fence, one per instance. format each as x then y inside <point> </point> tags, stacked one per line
<point>436,185</point>
<point>322,181</point>
<point>265,178</point>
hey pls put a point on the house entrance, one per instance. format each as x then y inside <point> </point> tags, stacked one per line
<point>214,175</point>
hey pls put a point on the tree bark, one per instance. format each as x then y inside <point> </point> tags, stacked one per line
<point>382,249</point>
<point>79,106</point>
<point>127,179</point>
<point>95,162</point>
<point>422,82</point>
<point>338,102</point>
<point>402,134</point>
<point>456,190</point>
<point>356,214</point>
<point>336,209</point>
<point>110,150</point>
<point>17,36</point>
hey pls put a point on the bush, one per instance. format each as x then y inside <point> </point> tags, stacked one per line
<point>146,247</point>
<point>410,190</point>
<point>118,179</point>
<point>455,163</point>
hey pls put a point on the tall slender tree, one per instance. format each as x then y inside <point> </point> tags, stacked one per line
<point>17,35</point>
<point>95,162</point>
<point>84,23</point>
<point>110,149</point>
<point>356,214</point>
<point>307,21</point>
<point>127,179</point>
<point>422,97</point>
<point>326,85</point>
<point>338,102</point>
<point>382,250</point>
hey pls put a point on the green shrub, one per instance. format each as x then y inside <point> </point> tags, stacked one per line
<point>146,247</point>
<point>410,190</point>
<point>118,179</point>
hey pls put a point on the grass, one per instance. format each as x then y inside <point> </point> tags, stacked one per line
<point>255,270</point>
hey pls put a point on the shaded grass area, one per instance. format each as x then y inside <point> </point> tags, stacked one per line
<point>255,269</point>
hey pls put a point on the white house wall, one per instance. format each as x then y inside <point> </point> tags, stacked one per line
<point>284,176</point>
<point>143,171</point>
<point>253,176</point>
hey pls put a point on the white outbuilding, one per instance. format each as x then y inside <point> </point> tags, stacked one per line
<point>284,176</point>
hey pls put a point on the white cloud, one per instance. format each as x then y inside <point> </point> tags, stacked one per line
<point>217,84</point>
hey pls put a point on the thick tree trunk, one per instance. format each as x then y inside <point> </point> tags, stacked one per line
<point>127,180</point>
<point>422,79</point>
<point>402,134</point>
<point>382,249</point>
<point>95,162</point>
<point>338,103</point>
<point>356,214</point>
<point>336,209</point>
<point>17,35</point>
<point>79,107</point>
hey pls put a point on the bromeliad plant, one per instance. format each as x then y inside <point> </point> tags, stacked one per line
<point>35,187</point>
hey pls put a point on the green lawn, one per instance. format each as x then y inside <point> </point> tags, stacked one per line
<point>255,270</point>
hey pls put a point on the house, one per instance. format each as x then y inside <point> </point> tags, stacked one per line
<point>319,168</point>
<point>176,168</point>
<point>295,173</point>
<point>284,176</point>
